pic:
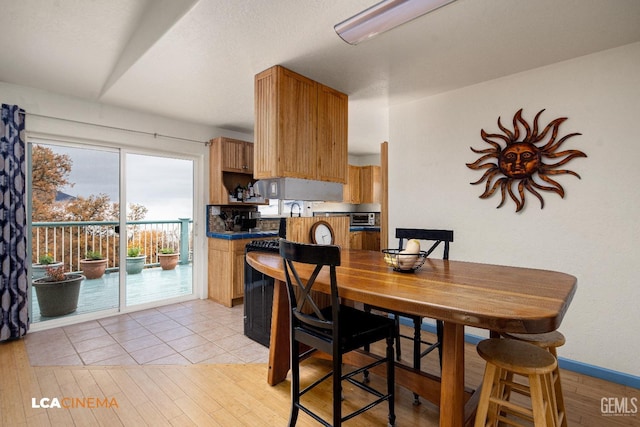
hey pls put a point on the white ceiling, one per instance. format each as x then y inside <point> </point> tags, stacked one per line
<point>194,60</point>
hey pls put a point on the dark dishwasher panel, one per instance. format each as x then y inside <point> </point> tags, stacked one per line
<point>258,296</point>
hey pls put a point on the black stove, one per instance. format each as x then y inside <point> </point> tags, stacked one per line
<point>258,294</point>
<point>267,245</point>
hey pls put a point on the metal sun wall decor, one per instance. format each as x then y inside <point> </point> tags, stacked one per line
<point>523,160</point>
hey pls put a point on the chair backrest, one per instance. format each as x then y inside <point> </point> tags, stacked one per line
<point>436,236</point>
<point>304,308</point>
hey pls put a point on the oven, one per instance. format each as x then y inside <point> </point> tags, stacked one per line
<point>258,295</point>
<point>362,219</point>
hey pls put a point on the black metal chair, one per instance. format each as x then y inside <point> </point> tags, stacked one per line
<point>335,330</point>
<point>436,237</point>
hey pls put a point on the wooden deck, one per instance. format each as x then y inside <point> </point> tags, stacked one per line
<point>152,284</point>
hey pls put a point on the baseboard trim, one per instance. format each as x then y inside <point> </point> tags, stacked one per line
<point>568,364</point>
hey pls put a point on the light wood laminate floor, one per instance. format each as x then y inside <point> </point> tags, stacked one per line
<point>169,391</point>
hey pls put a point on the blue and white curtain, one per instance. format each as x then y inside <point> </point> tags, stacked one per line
<point>13,226</point>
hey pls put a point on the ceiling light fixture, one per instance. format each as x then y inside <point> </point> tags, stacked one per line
<point>383,17</point>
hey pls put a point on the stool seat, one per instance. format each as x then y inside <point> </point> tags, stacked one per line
<point>517,356</point>
<point>545,340</point>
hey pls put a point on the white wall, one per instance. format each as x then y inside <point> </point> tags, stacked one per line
<point>592,233</point>
<point>39,102</point>
<point>42,103</point>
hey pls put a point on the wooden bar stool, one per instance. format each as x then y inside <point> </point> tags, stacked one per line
<point>549,341</point>
<point>504,358</point>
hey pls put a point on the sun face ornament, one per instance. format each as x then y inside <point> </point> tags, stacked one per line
<point>525,161</point>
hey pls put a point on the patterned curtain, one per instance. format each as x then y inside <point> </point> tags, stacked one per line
<point>13,226</point>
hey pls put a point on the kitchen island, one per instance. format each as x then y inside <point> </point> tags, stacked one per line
<point>226,251</point>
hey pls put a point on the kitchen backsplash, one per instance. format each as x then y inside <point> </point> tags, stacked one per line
<point>216,222</point>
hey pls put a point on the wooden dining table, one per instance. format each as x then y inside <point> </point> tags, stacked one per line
<point>493,297</point>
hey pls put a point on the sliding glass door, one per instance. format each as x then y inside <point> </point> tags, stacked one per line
<point>74,217</point>
<point>132,251</point>
<point>159,228</point>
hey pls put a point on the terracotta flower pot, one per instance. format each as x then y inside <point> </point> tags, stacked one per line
<point>93,268</point>
<point>168,261</point>
<point>58,298</point>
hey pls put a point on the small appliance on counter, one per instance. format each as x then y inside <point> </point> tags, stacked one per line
<point>363,219</point>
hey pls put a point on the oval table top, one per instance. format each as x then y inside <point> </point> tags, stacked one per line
<point>499,298</point>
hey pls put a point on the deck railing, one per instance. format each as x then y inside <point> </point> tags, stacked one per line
<point>68,242</point>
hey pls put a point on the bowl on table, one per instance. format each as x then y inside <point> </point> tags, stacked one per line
<point>402,261</point>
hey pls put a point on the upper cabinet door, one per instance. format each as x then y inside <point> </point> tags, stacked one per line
<point>266,133</point>
<point>234,158</point>
<point>332,135</point>
<point>248,157</point>
<point>370,184</point>
<point>297,126</point>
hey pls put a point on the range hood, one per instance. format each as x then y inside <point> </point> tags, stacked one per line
<point>300,189</point>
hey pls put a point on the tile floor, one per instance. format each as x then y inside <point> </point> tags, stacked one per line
<point>199,331</point>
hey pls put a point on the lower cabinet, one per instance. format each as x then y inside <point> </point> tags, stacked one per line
<point>226,270</point>
<point>367,240</point>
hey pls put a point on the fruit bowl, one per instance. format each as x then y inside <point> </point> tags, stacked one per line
<point>402,261</point>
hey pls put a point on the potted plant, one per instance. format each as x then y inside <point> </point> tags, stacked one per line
<point>45,261</point>
<point>168,258</point>
<point>93,265</point>
<point>57,291</point>
<point>135,261</point>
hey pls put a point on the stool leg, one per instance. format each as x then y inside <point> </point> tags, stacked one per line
<point>562,415</point>
<point>490,382</point>
<point>541,402</point>
<point>553,402</point>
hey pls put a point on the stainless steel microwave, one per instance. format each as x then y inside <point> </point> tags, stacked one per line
<point>363,218</point>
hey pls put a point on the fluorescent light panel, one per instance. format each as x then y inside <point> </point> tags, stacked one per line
<point>383,17</point>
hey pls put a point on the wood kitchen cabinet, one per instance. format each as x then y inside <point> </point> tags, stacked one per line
<point>371,241</point>
<point>370,184</point>
<point>332,135</point>
<point>230,164</point>
<point>226,270</point>
<point>355,239</point>
<point>301,128</point>
<point>367,240</point>
<point>364,185</point>
<point>298,229</point>
<point>351,190</point>
<point>236,155</point>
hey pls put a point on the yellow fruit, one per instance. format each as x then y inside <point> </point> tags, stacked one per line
<point>413,247</point>
<point>407,261</point>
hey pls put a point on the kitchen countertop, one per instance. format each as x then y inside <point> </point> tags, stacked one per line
<point>237,235</point>
<point>364,228</point>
